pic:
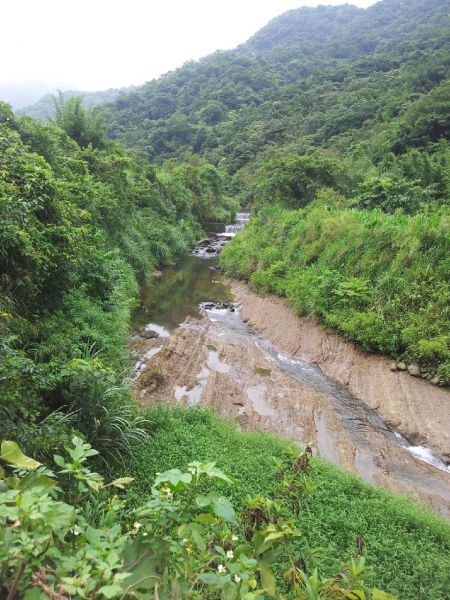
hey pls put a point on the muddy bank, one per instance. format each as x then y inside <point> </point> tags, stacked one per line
<point>215,361</point>
<point>418,410</point>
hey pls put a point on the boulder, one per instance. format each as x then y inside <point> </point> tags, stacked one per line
<point>393,366</point>
<point>435,380</point>
<point>414,370</point>
<point>401,366</point>
<point>149,334</point>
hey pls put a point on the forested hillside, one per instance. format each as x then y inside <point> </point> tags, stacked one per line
<point>336,79</point>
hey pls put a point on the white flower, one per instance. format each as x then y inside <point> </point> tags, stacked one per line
<point>184,541</point>
<point>145,534</point>
<point>137,525</point>
<point>221,569</point>
<point>76,530</point>
<point>230,554</point>
<point>234,538</point>
<point>192,470</point>
<point>237,578</point>
<point>166,492</point>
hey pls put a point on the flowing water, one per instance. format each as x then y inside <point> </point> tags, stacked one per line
<point>168,300</point>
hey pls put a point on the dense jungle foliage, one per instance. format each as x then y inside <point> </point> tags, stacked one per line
<point>81,224</point>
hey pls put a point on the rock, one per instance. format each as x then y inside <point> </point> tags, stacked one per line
<point>393,366</point>
<point>435,380</point>
<point>210,250</point>
<point>401,366</point>
<point>414,370</point>
<point>149,334</point>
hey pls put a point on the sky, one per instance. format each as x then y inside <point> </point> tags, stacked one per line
<point>99,44</point>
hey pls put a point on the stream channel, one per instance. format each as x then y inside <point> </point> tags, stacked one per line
<point>210,357</point>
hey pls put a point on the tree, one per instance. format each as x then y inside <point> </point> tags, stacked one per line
<point>85,126</point>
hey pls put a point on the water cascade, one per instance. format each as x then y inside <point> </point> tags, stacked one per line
<point>241,221</point>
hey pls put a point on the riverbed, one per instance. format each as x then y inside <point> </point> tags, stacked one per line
<point>227,354</point>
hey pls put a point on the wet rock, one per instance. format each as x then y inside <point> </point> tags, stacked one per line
<point>393,366</point>
<point>414,370</point>
<point>210,250</point>
<point>149,334</point>
<point>401,366</point>
<point>218,306</point>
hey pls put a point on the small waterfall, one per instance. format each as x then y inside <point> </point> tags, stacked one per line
<point>241,221</point>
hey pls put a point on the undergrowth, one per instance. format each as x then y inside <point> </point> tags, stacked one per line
<point>407,548</point>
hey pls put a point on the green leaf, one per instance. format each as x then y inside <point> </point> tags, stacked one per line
<point>2,473</point>
<point>110,591</point>
<point>35,594</point>
<point>12,454</point>
<point>121,482</point>
<point>356,595</point>
<point>202,501</point>
<point>222,507</point>
<point>59,460</point>
<point>210,578</point>
<point>205,518</point>
<point>175,478</point>
<point>267,578</point>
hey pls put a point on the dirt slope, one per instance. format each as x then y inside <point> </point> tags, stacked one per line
<point>418,410</point>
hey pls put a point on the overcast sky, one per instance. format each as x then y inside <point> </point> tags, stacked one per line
<point>98,44</point>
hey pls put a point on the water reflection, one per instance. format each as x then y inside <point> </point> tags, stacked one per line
<point>169,299</point>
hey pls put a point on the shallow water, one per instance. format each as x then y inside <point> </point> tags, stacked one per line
<point>177,294</point>
<point>169,299</point>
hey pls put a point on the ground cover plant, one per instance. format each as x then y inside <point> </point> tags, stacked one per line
<point>340,517</point>
<point>57,541</point>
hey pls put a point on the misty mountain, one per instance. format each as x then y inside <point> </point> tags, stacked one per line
<point>24,93</point>
<point>44,107</point>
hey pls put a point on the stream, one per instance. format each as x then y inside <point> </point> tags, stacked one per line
<point>190,306</point>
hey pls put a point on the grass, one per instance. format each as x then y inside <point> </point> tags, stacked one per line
<point>408,548</point>
<point>379,279</point>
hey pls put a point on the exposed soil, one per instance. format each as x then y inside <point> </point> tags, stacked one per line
<point>206,363</point>
<point>418,410</point>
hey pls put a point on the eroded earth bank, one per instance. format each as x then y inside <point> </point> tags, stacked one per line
<point>255,362</point>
